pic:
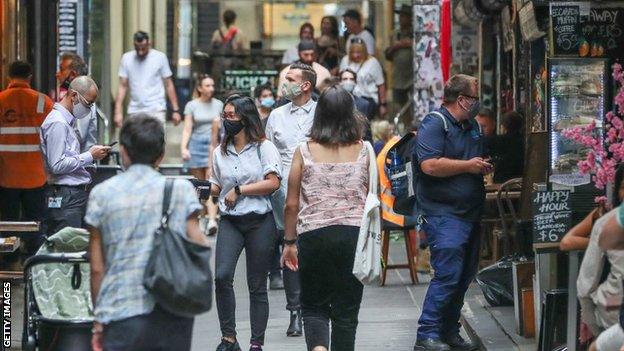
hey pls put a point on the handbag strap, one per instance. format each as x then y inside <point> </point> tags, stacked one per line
<point>166,211</point>
<point>373,180</point>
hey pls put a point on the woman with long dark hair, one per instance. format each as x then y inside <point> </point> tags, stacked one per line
<point>328,44</point>
<point>246,171</point>
<point>327,190</point>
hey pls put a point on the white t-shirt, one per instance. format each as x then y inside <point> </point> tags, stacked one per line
<point>145,79</point>
<point>291,55</point>
<point>368,39</point>
<point>369,76</point>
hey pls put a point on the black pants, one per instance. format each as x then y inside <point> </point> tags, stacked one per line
<point>24,205</point>
<point>72,211</point>
<point>256,234</point>
<point>156,331</point>
<point>292,284</point>
<point>329,290</point>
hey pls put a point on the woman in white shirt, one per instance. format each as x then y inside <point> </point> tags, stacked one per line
<point>371,84</point>
<point>199,137</point>
<point>246,171</point>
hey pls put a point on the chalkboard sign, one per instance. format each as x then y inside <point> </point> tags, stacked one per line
<point>552,216</point>
<point>579,29</point>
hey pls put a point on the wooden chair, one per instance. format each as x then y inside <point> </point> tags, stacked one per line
<point>505,198</point>
<point>386,228</point>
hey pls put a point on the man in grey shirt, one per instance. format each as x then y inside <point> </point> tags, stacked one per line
<point>67,177</point>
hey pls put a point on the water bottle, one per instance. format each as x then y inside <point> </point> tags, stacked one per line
<point>397,174</point>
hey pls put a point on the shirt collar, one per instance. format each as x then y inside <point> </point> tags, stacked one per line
<point>140,168</point>
<point>18,84</point>
<point>450,117</point>
<point>69,118</point>
<point>307,107</point>
<point>231,149</point>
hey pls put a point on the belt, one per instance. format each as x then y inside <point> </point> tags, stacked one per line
<point>84,187</point>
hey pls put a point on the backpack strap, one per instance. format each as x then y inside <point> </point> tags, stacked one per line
<point>443,118</point>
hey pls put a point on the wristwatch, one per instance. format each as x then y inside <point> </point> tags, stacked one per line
<point>237,190</point>
<point>176,110</point>
<point>290,242</point>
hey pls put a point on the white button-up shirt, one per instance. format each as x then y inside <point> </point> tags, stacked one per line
<point>246,167</point>
<point>287,127</point>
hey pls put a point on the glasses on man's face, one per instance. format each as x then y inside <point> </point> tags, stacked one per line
<point>84,100</point>
<point>357,41</point>
<point>470,96</point>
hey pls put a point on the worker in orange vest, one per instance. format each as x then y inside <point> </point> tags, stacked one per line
<point>387,203</point>
<point>22,175</point>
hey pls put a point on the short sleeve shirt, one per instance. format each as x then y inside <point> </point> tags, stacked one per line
<point>368,39</point>
<point>369,76</point>
<point>461,196</point>
<point>127,211</point>
<point>145,79</point>
<point>203,114</point>
<point>249,166</point>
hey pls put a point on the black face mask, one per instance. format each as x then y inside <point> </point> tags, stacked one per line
<point>232,127</point>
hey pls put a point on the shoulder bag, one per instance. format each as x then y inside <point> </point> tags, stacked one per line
<point>178,272</point>
<point>367,262</point>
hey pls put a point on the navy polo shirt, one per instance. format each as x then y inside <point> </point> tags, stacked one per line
<point>460,196</point>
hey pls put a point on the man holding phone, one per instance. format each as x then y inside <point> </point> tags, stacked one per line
<point>451,195</point>
<point>66,196</point>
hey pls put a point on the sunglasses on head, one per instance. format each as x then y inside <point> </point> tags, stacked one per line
<point>357,41</point>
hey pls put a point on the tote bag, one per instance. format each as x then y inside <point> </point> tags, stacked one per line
<point>367,262</point>
<point>178,272</point>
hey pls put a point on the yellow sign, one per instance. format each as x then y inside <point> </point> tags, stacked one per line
<point>285,19</point>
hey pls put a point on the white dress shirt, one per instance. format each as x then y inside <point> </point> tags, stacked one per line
<point>287,127</point>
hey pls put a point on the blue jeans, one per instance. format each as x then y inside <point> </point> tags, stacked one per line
<point>454,246</point>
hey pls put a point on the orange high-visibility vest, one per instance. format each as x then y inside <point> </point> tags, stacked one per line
<point>22,111</point>
<point>385,187</point>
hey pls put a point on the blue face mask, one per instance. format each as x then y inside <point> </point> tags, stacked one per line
<point>267,102</point>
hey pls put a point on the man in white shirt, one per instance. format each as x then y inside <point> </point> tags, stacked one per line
<point>287,127</point>
<point>146,72</point>
<point>306,32</point>
<point>308,56</point>
<point>353,22</point>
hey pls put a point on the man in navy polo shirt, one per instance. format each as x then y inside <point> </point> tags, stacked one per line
<point>450,196</point>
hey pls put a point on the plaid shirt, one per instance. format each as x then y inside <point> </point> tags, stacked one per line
<point>127,211</point>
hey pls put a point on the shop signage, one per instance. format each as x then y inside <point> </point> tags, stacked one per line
<point>71,26</point>
<point>552,217</point>
<point>580,30</point>
<point>245,80</point>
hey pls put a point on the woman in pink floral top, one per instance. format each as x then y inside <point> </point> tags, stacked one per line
<point>327,190</point>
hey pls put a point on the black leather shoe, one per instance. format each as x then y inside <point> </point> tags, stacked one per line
<point>431,345</point>
<point>296,325</point>
<point>276,282</point>
<point>457,343</point>
<point>228,346</point>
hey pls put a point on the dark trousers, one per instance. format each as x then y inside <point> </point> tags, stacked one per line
<point>24,205</point>
<point>454,246</point>
<point>256,234</point>
<point>72,211</point>
<point>329,290</point>
<point>292,282</point>
<point>156,331</point>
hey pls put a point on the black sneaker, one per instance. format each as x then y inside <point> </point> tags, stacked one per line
<point>457,343</point>
<point>296,325</point>
<point>228,346</point>
<point>431,345</point>
<point>255,347</point>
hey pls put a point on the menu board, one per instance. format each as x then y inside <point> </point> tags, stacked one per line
<point>580,30</point>
<point>552,216</point>
<point>71,27</point>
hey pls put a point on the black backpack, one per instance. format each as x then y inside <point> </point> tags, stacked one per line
<point>404,177</point>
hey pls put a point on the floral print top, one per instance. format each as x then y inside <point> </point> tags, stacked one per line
<point>332,193</point>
